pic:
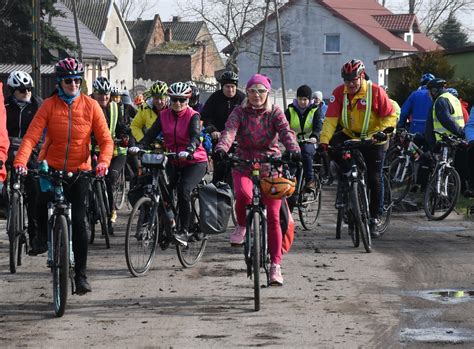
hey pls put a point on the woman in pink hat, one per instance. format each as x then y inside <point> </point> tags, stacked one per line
<point>257,126</point>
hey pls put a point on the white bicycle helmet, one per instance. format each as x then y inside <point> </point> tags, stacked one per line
<point>180,89</point>
<point>102,85</point>
<point>19,79</point>
<point>115,91</point>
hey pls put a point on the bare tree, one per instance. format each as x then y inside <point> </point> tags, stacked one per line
<point>432,13</point>
<point>227,20</point>
<point>131,9</point>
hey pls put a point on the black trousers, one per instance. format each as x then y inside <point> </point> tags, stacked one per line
<point>76,193</point>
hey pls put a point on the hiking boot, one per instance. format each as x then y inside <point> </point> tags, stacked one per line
<point>374,227</point>
<point>82,286</point>
<point>275,275</point>
<point>38,247</point>
<point>237,237</point>
<point>111,228</point>
<point>113,216</point>
<point>182,237</point>
<point>310,185</point>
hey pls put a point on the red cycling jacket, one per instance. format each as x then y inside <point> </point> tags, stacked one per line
<point>4,141</point>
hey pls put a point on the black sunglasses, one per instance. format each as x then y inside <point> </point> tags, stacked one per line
<point>68,81</point>
<point>178,99</point>
<point>24,90</point>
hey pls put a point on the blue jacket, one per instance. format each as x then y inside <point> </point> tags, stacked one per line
<point>418,106</point>
<point>469,129</point>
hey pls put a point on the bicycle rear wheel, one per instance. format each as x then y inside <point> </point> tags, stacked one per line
<point>119,190</point>
<point>191,254</point>
<point>309,205</point>
<point>438,206</point>
<point>60,266</point>
<point>141,237</point>
<point>100,195</point>
<point>353,229</point>
<point>13,231</point>
<point>256,259</point>
<point>360,211</point>
<point>340,222</point>
<point>400,178</point>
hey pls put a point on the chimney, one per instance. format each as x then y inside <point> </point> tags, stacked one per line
<point>176,18</point>
<point>168,35</point>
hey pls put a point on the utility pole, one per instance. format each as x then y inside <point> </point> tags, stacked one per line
<point>36,45</point>
<point>76,26</point>
<point>280,51</point>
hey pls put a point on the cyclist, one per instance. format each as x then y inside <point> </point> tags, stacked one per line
<point>4,142</point>
<point>21,107</point>
<point>139,100</point>
<point>115,121</point>
<point>69,118</point>
<point>149,112</point>
<point>319,101</point>
<point>464,104</point>
<point>194,100</point>
<point>180,125</point>
<point>257,125</point>
<point>127,110</point>
<point>417,107</point>
<point>216,111</point>
<point>304,117</point>
<point>362,109</point>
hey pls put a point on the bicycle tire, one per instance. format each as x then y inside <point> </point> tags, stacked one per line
<point>309,205</point>
<point>101,202</point>
<point>191,254</point>
<point>387,206</point>
<point>360,213</point>
<point>13,231</point>
<point>141,242</point>
<point>60,265</point>
<point>432,200</point>
<point>120,190</point>
<point>400,183</point>
<point>256,258</point>
<point>353,230</point>
<point>339,222</point>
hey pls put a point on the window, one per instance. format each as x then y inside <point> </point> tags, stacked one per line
<point>285,43</point>
<point>117,32</point>
<point>332,43</point>
<point>408,38</point>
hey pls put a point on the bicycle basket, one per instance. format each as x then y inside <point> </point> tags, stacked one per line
<point>154,160</point>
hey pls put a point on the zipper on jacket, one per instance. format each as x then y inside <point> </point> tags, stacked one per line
<point>19,122</point>
<point>175,140</point>
<point>69,112</point>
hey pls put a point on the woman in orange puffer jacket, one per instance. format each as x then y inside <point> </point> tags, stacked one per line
<point>69,118</point>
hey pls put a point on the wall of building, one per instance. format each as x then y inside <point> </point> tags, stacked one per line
<point>166,68</point>
<point>463,64</point>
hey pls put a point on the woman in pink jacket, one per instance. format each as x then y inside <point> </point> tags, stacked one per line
<point>257,126</point>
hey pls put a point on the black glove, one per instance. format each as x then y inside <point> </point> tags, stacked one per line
<point>292,156</point>
<point>219,155</point>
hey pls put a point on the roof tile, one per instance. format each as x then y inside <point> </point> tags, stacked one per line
<point>93,13</point>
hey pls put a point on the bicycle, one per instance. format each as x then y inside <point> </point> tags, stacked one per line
<point>444,184</point>
<point>98,209</point>
<point>256,251</point>
<point>152,220</point>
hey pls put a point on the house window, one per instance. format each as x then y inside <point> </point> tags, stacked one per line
<point>285,43</point>
<point>408,38</point>
<point>332,43</point>
<point>117,32</point>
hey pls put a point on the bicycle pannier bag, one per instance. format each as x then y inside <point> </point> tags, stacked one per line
<point>215,207</point>
<point>287,226</point>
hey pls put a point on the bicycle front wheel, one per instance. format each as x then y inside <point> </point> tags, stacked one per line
<point>255,233</point>
<point>13,231</point>
<point>360,211</point>
<point>141,237</point>
<point>400,178</point>
<point>101,197</point>
<point>60,265</point>
<point>119,190</point>
<point>309,205</point>
<point>438,204</point>
<point>191,254</point>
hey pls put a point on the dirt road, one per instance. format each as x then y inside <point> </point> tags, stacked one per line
<point>334,295</point>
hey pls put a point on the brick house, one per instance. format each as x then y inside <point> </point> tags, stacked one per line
<point>174,51</point>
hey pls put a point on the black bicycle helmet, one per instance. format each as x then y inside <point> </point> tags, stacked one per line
<point>229,77</point>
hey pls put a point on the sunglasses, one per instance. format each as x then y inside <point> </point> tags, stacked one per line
<point>68,81</point>
<point>24,90</point>
<point>354,81</point>
<point>178,99</point>
<point>260,91</point>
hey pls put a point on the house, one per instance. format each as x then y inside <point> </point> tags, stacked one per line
<point>103,18</point>
<point>174,51</point>
<point>328,34</point>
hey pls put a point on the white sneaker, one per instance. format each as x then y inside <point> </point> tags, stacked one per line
<point>276,279</point>
<point>237,237</point>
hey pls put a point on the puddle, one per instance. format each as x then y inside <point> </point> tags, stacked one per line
<point>444,296</point>
<point>440,228</point>
<point>437,335</point>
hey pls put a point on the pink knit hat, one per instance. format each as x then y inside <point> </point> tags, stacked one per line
<point>260,79</point>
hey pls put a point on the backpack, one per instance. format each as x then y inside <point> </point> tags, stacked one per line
<point>287,225</point>
<point>215,207</point>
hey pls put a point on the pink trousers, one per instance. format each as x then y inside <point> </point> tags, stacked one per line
<point>243,194</point>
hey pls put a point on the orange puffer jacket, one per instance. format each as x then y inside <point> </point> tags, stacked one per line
<point>4,141</point>
<point>68,134</point>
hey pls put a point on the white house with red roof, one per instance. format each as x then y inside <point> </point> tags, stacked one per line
<point>319,36</point>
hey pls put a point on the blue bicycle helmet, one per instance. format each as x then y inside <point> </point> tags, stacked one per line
<point>425,78</point>
<point>453,91</point>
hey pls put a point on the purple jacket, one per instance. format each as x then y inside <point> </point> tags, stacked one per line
<point>257,133</point>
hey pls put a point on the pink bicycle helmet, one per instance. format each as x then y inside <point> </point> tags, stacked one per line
<point>68,67</point>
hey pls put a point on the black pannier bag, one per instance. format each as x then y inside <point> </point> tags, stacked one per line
<point>215,207</point>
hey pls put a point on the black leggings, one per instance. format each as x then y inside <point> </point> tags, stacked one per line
<point>115,168</point>
<point>188,178</point>
<point>373,156</point>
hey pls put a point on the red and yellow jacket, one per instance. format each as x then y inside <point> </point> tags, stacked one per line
<point>68,136</point>
<point>382,112</point>
<point>4,141</point>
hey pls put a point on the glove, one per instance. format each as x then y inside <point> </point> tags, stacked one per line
<point>215,135</point>
<point>313,140</point>
<point>101,169</point>
<point>133,150</point>
<point>183,155</point>
<point>323,147</point>
<point>124,142</point>
<point>292,156</point>
<point>219,155</point>
<point>21,170</point>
